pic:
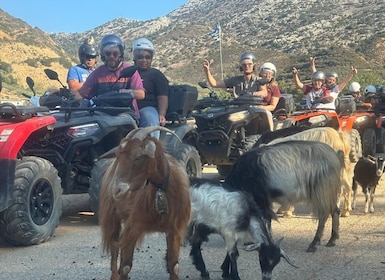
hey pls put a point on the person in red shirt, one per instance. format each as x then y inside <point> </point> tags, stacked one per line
<point>316,91</point>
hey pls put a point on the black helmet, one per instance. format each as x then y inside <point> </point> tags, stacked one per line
<point>87,48</point>
<point>111,41</point>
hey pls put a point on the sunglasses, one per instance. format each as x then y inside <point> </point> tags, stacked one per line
<point>148,57</point>
<point>115,54</point>
<point>247,64</point>
<point>90,56</point>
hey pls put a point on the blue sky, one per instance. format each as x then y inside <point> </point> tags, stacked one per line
<point>82,15</point>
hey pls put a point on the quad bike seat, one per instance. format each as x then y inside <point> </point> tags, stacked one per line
<point>10,112</point>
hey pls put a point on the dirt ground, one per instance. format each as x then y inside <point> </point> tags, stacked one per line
<point>74,252</point>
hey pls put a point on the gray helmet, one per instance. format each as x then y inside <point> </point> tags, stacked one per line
<point>87,48</point>
<point>370,90</point>
<point>247,55</point>
<point>143,44</point>
<point>332,74</point>
<point>318,75</point>
<point>111,41</point>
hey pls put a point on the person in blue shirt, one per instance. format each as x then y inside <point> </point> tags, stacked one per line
<point>77,74</point>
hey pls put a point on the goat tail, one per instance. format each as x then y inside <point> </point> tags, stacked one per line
<point>325,195</point>
<point>341,157</point>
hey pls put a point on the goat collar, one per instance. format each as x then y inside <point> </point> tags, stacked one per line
<point>162,186</point>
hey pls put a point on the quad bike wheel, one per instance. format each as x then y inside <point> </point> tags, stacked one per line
<point>368,142</point>
<point>97,174</point>
<point>189,157</point>
<point>37,203</point>
<point>356,146</point>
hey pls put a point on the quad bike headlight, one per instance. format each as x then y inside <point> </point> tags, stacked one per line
<point>83,130</point>
<point>361,119</point>
<point>238,116</point>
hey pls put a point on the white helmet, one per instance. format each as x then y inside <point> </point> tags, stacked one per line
<point>268,66</point>
<point>354,87</point>
<point>370,90</point>
<point>143,44</point>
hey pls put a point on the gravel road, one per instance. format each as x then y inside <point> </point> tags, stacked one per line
<point>74,250</point>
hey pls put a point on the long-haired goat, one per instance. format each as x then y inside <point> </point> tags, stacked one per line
<point>233,214</point>
<point>144,190</point>
<point>367,173</point>
<point>291,172</point>
<point>339,141</point>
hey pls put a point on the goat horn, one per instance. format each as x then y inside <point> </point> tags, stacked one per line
<point>132,133</point>
<point>109,154</point>
<point>286,257</point>
<point>147,130</point>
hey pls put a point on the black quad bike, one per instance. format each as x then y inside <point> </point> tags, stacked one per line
<point>182,99</point>
<point>47,151</point>
<point>226,128</point>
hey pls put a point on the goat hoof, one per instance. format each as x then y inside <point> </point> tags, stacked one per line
<point>331,244</point>
<point>311,249</point>
<point>288,215</point>
<point>126,269</point>
<point>345,214</point>
<point>205,275</point>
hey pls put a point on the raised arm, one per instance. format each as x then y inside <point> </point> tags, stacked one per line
<point>312,64</point>
<point>296,79</point>
<point>211,80</point>
<point>343,84</point>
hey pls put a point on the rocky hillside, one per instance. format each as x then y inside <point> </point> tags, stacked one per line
<point>339,33</point>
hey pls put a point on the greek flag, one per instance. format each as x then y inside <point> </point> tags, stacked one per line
<point>216,34</point>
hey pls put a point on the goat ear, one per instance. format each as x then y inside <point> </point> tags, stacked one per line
<point>149,149</point>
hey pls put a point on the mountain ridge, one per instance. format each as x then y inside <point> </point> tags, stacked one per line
<point>340,34</point>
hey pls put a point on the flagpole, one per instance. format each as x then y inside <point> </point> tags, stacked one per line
<point>216,34</point>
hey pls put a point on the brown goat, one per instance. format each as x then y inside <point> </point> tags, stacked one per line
<point>145,190</point>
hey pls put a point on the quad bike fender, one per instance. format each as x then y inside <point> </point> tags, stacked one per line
<point>171,142</point>
<point>14,135</point>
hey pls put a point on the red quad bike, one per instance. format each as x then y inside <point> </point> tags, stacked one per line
<point>368,123</point>
<point>337,119</point>
<point>302,116</point>
<point>50,150</point>
<point>30,189</point>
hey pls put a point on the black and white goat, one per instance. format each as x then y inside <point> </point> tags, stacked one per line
<point>234,215</point>
<point>367,173</point>
<point>290,172</point>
